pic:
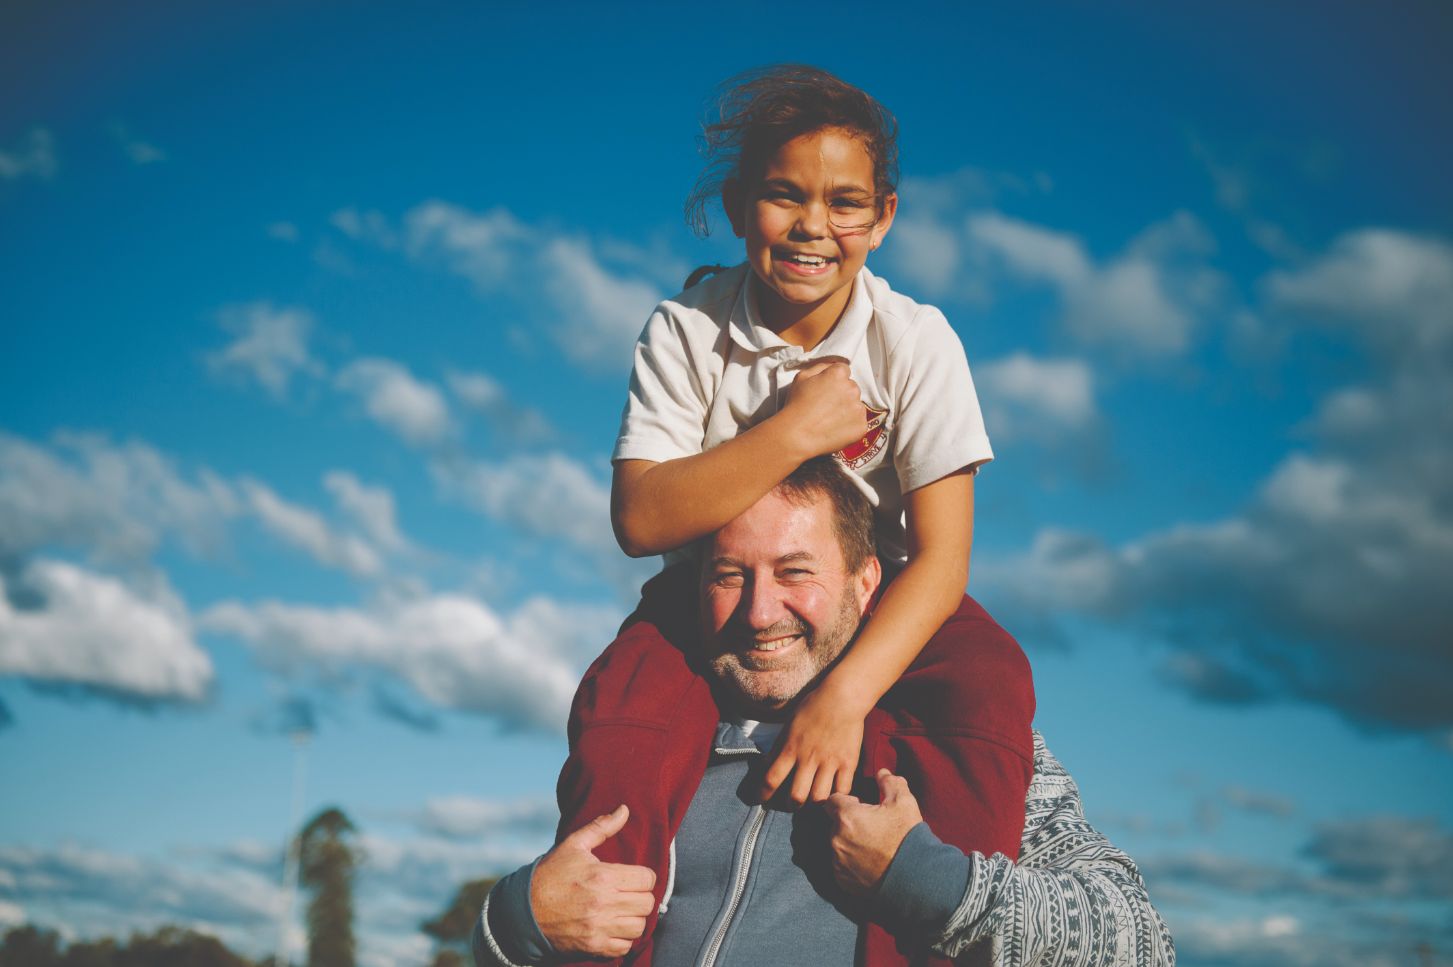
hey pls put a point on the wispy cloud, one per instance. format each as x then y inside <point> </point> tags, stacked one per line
<point>137,150</point>
<point>484,395</point>
<point>372,508</point>
<point>33,157</point>
<point>413,409</point>
<point>307,530</point>
<point>591,311</point>
<point>270,348</point>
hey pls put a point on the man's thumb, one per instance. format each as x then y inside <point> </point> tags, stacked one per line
<point>891,788</point>
<point>600,829</point>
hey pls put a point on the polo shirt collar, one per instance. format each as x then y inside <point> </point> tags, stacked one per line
<point>748,332</point>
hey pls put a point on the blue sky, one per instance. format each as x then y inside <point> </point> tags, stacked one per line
<point>314,338</point>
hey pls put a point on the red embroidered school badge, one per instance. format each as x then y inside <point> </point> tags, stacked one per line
<point>857,455</point>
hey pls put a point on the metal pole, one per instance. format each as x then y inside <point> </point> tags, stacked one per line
<point>290,850</point>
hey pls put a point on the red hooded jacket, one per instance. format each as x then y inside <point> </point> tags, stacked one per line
<point>956,726</point>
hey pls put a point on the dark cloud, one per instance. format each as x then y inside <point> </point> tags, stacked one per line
<point>392,706</point>
<point>296,715</point>
<point>1330,585</point>
<point>1389,856</point>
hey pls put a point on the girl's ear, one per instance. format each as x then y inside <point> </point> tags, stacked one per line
<point>885,221</point>
<point>732,200</point>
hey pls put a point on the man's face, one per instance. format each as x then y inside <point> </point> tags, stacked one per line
<point>778,603</point>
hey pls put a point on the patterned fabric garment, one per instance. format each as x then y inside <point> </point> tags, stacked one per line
<point>1072,900</point>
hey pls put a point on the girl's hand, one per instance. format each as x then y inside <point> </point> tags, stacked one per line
<point>819,749</point>
<point>825,408</point>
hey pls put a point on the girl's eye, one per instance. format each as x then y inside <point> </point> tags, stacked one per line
<point>848,203</point>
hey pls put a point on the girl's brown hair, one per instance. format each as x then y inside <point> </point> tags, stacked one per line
<point>761,110</point>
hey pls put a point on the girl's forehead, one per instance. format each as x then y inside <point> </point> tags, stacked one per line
<point>831,153</point>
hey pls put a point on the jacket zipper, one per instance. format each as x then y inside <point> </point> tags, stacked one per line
<point>739,885</point>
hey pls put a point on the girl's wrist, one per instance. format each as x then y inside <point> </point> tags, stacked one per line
<point>844,692</point>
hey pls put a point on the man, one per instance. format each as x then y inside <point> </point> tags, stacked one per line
<point>752,884</point>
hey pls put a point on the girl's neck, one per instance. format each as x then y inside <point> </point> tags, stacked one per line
<point>800,324</point>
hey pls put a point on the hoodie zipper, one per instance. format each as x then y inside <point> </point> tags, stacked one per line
<point>739,885</point>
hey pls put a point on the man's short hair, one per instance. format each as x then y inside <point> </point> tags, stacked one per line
<point>852,513</point>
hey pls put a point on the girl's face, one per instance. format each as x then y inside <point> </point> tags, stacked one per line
<point>809,222</point>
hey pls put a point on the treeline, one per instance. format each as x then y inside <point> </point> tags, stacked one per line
<point>328,856</point>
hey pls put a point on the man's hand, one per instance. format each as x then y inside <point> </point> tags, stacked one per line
<point>825,408</point>
<point>584,906</point>
<point>865,838</point>
<point>819,749</point>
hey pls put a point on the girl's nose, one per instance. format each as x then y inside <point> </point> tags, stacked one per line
<point>812,219</point>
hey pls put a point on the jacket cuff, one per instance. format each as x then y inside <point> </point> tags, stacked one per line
<point>508,923</point>
<point>923,886</point>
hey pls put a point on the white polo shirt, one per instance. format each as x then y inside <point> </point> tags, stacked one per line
<point>706,369</point>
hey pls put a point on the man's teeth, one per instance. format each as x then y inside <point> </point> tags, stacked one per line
<point>775,643</point>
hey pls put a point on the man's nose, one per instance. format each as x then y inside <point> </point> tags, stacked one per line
<point>764,604</point>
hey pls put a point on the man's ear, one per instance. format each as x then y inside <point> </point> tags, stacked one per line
<point>866,583</point>
<point>732,197</point>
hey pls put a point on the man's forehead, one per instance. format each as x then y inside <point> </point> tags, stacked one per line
<point>776,529</point>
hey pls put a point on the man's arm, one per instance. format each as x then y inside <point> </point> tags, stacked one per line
<point>566,904</point>
<point>1073,899</point>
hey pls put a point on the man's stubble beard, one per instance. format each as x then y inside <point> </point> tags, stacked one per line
<point>765,694</point>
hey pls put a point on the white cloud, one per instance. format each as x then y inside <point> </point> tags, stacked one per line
<point>283,231</point>
<point>1027,396</point>
<point>1394,287</point>
<point>1144,302</point>
<point>11,914</point>
<point>62,624</point>
<point>307,531</point>
<point>591,312</point>
<point>372,508</point>
<point>33,157</point>
<point>114,501</point>
<point>453,650</point>
<point>1332,575</point>
<point>483,394</point>
<point>271,345</point>
<point>549,495</point>
<point>412,408</point>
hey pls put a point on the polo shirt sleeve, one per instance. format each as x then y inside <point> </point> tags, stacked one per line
<point>939,426</point>
<point>665,413</point>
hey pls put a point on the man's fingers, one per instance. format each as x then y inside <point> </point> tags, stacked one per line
<point>892,789</point>
<point>599,829</point>
<point>629,879</point>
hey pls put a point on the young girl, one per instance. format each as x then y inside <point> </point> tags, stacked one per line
<point>797,353</point>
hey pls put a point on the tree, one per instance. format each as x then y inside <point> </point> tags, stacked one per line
<point>28,946</point>
<point>453,927</point>
<point>327,859</point>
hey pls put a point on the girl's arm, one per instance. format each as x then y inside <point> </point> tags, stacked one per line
<point>824,739</point>
<point>657,507</point>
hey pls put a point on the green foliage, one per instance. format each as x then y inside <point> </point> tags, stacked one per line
<point>327,860</point>
<point>29,946</point>
<point>456,923</point>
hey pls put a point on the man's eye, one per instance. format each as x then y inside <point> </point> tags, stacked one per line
<point>796,573</point>
<point>728,580</point>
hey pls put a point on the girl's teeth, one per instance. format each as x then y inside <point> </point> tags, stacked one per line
<point>809,259</point>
